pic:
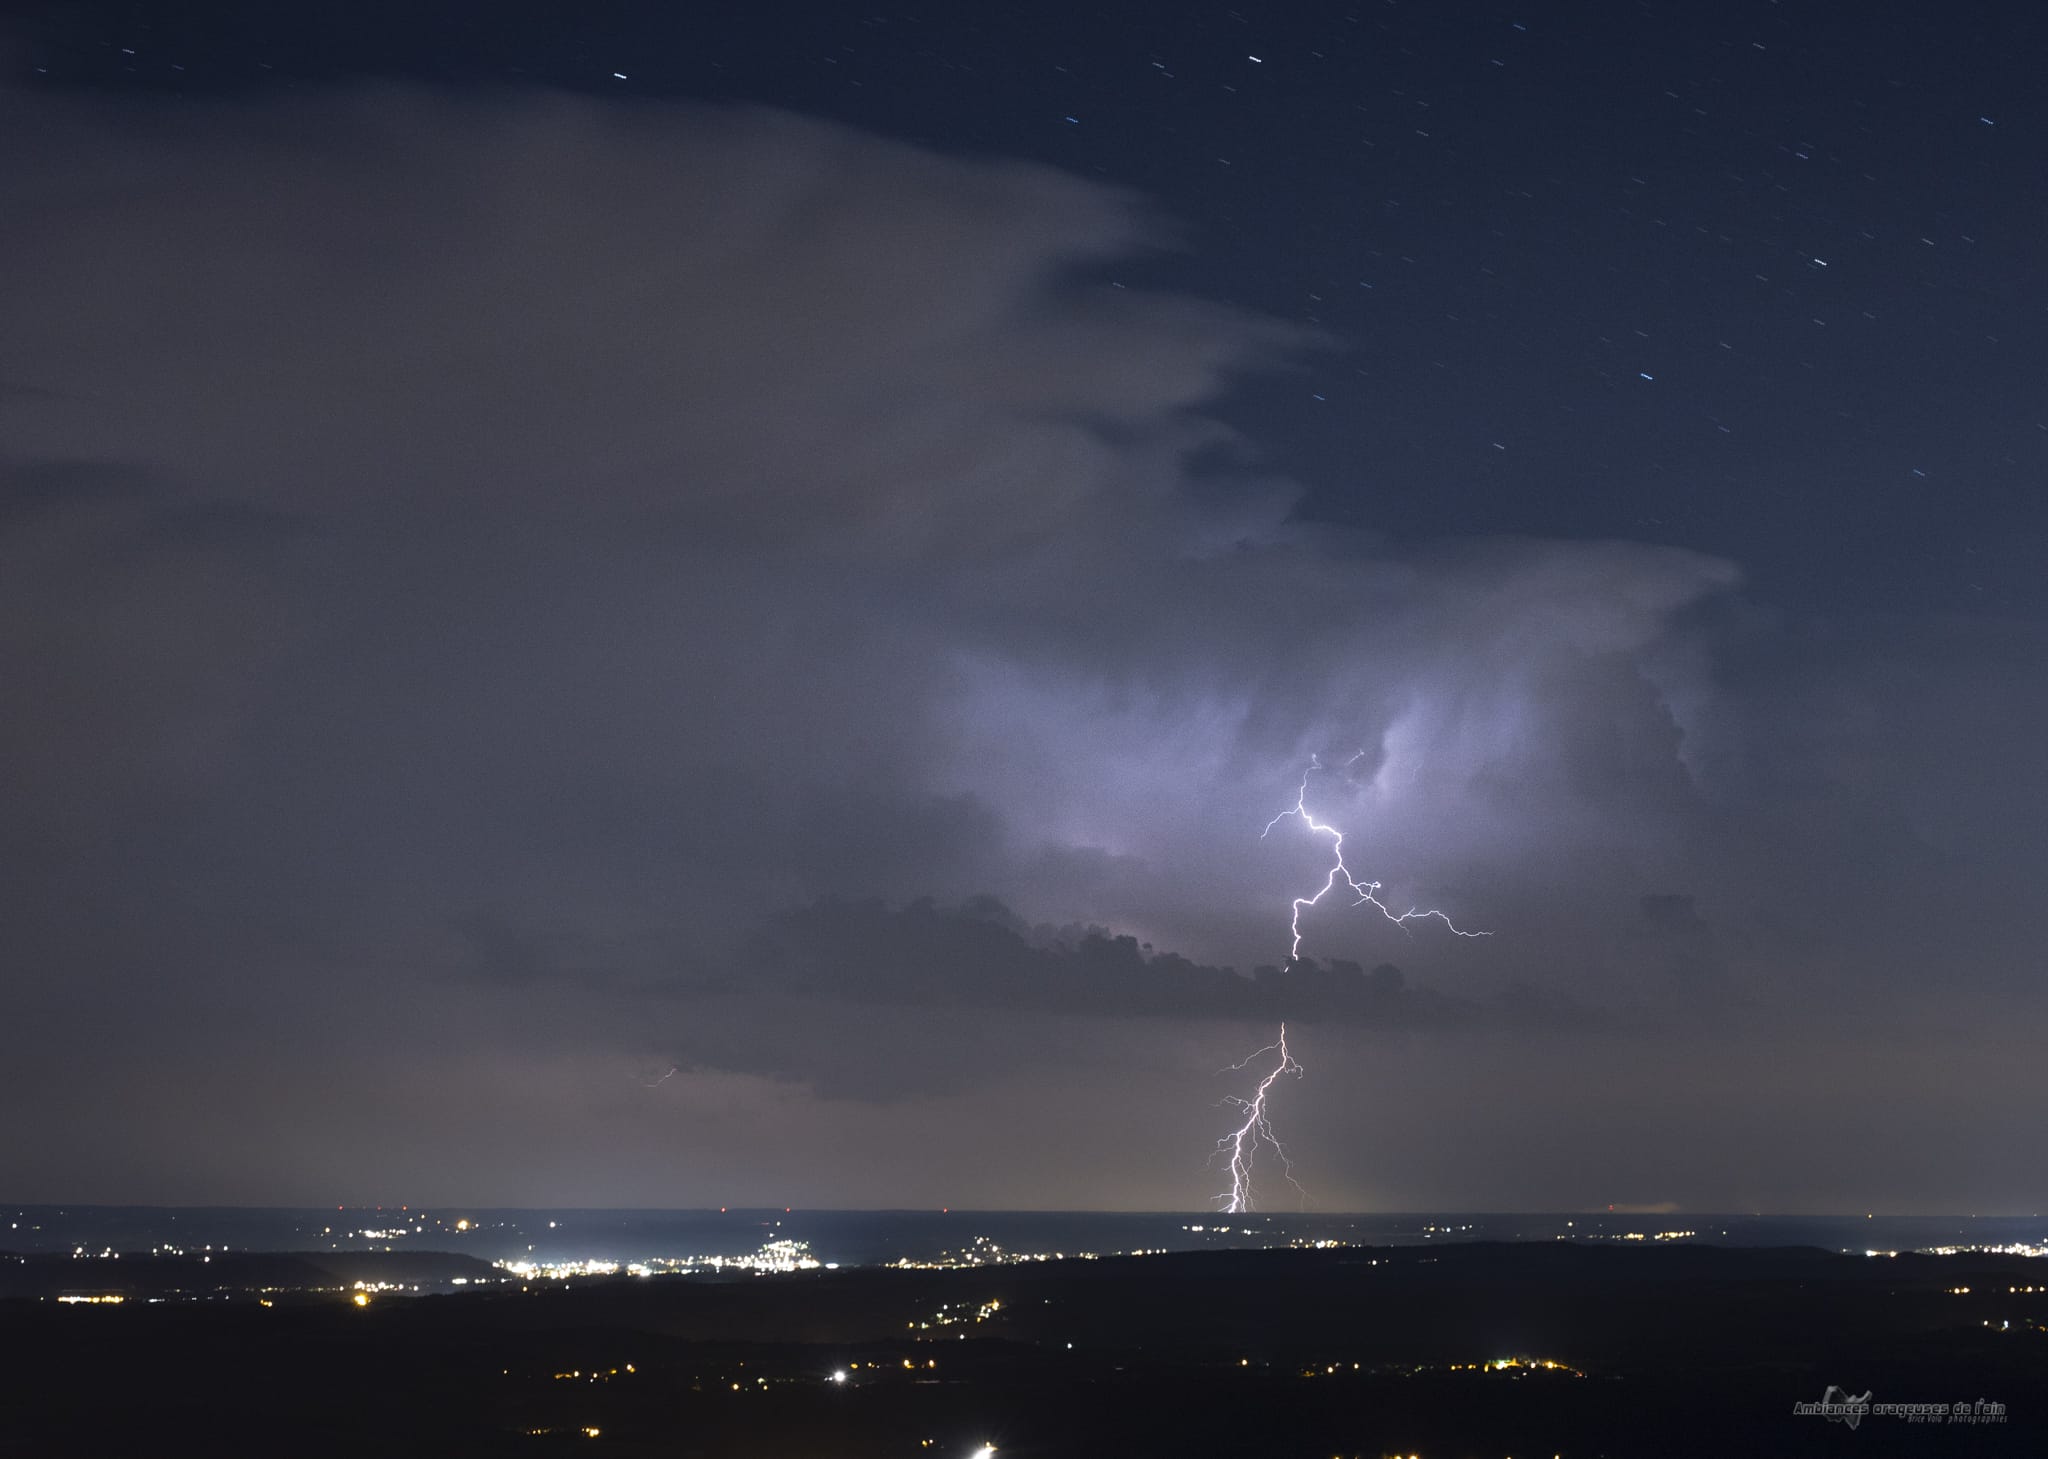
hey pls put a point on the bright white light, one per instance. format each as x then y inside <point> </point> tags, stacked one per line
<point>986,1451</point>
<point>839,1375</point>
<point>1365,891</point>
<point>1241,1145</point>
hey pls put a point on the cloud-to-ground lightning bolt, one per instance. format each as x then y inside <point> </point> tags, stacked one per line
<point>1241,1146</point>
<point>1366,891</point>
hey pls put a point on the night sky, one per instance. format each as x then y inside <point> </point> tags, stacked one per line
<point>612,606</point>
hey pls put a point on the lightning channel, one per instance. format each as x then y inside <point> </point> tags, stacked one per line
<point>1367,892</point>
<point>1239,1149</point>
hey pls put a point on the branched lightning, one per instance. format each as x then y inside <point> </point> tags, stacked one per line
<point>1366,891</point>
<point>1241,1145</point>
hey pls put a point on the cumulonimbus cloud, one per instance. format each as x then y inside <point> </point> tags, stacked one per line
<point>519,543</point>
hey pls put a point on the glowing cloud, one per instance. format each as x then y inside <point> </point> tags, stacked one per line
<point>1367,891</point>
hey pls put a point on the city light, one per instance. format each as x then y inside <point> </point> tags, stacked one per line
<point>779,1255</point>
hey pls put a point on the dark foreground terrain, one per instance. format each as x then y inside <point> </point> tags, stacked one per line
<point>1481,1350</point>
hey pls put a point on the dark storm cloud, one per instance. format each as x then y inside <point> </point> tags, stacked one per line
<point>981,956</point>
<point>1681,938</point>
<point>471,571</point>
